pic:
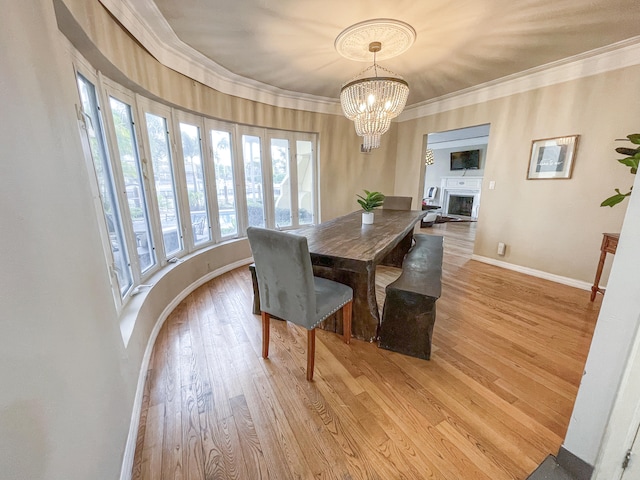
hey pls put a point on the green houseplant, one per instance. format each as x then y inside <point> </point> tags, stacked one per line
<point>369,202</point>
<point>631,160</point>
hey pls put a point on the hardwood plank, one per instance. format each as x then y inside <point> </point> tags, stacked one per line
<point>322,454</point>
<point>191,401</point>
<point>136,474</point>
<point>151,461</point>
<point>252,454</point>
<point>172,446</point>
<point>233,457</point>
<point>495,399</point>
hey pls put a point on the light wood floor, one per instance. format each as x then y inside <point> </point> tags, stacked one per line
<point>494,400</point>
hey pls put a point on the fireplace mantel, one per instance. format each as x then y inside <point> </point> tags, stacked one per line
<point>461,186</point>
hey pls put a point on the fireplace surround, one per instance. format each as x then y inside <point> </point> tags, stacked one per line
<point>460,196</point>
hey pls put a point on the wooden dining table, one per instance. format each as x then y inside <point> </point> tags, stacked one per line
<point>345,250</point>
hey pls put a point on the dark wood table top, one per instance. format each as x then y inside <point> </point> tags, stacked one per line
<point>353,244</point>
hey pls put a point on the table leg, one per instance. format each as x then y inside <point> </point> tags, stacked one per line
<point>395,257</point>
<point>595,288</point>
<point>365,316</point>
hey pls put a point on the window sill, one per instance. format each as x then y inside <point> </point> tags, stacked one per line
<point>146,311</point>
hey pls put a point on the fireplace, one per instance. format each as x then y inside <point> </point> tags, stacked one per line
<point>460,205</point>
<point>461,196</point>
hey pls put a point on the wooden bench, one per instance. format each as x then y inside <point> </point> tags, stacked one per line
<point>409,311</point>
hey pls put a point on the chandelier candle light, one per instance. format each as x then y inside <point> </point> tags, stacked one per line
<point>376,95</point>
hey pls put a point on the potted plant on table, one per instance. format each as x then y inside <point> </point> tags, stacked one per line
<point>368,202</point>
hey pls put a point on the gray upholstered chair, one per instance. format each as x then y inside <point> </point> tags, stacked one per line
<point>397,203</point>
<point>289,290</point>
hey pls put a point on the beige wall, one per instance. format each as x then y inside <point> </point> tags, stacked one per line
<point>550,225</point>
<point>344,171</point>
<point>64,401</point>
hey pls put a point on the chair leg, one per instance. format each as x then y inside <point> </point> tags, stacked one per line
<point>347,310</point>
<point>265,334</point>
<point>311,352</point>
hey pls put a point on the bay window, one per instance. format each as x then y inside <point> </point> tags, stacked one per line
<point>171,182</point>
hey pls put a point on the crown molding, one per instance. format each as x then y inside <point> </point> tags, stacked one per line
<point>147,25</point>
<point>612,57</point>
<point>145,22</point>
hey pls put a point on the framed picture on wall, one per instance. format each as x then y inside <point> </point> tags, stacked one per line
<point>552,157</point>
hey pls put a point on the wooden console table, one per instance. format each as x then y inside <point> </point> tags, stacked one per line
<point>609,245</point>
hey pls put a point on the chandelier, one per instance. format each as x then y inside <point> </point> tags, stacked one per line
<point>372,101</point>
<point>428,158</point>
<point>376,95</point>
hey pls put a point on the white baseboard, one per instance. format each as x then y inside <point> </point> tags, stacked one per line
<point>130,448</point>
<point>572,282</point>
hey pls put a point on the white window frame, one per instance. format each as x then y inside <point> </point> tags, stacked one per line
<point>265,165</point>
<point>148,106</point>
<point>213,186</point>
<point>112,89</point>
<point>98,201</point>
<point>182,191</point>
<point>277,135</point>
<point>313,139</point>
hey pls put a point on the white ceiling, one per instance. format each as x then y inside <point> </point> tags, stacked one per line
<point>289,44</point>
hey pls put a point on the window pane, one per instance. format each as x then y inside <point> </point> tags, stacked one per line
<point>253,179</point>
<point>164,181</point>
<point>304,154</point>
<point>132,173</point>
<point>104,176</point>
<point>192,152</point>
<point>281,181</point>
<point>223,164</point>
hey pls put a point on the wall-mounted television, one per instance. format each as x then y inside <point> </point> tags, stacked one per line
<point>465,160</point>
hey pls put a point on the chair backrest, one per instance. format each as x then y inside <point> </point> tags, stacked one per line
<point>284,273</point>
<point>397,203</point>
<point>432,192</point>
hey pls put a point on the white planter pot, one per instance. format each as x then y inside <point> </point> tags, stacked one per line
<point>367,218</point>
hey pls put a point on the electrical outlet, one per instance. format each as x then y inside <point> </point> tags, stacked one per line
<point>501,248</point>
<point>492,185</point>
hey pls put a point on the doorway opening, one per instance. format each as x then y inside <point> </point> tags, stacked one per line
<point>454,169</point>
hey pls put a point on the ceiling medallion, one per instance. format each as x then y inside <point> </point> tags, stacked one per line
<point>396,36</point>
<point>369,100</point>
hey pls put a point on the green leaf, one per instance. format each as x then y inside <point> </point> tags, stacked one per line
<point>371,200</point>
<point>628,151</point>
<point>630,162</point>
<point>613,200</point>
<point>634,138</point>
